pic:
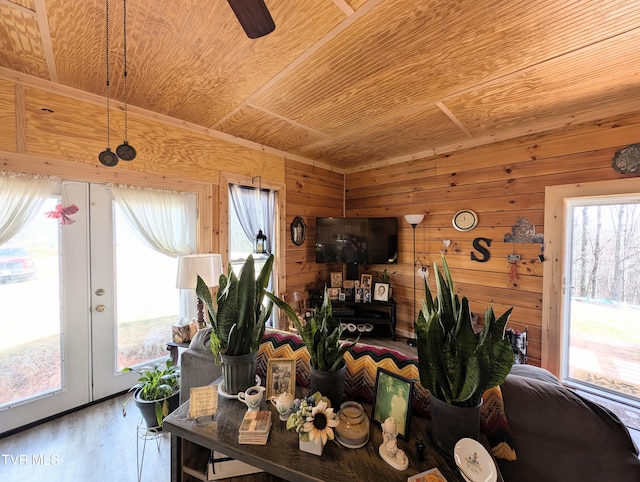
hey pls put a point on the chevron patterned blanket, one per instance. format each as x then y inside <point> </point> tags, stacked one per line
<point>363,361</point>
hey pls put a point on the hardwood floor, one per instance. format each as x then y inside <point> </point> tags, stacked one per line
<point>94,444</point>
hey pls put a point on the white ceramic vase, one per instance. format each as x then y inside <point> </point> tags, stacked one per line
<point>312,446</point>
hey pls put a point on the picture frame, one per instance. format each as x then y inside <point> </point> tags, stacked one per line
<point>281,376</point>
<point>366,295</point>
<point>334,293</point>
<point>392,398</point>
<point>366,280</point>
<point>381,292</point>
<point>336,279</point>
<point>298,231</point>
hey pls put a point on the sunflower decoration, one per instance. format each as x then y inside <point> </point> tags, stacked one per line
<point>313,419</point>
<point>320,424</point>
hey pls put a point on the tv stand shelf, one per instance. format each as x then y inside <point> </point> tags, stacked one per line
<point>379,314</point>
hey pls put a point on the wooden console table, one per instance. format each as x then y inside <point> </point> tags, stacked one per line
<point>193,440</point>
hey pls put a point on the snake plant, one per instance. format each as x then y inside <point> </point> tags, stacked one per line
<point>321,334</point>
<point>237,326</point>
<point>456,364</point>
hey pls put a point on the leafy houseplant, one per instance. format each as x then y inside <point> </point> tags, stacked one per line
<point>321,335</point>
<point>456,364</point>
<point>238,323</point>
<point>155,389</point>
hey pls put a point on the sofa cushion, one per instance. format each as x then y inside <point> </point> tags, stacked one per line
<point>562,436</point>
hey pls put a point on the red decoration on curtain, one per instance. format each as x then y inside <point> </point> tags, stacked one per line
<point>64,213</point>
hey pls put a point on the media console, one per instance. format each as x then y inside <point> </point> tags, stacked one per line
<point>374,318</point>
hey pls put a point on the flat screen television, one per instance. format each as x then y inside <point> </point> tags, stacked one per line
<point>357,240</point>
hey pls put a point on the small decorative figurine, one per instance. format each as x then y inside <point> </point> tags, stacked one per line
<point>389,450</point>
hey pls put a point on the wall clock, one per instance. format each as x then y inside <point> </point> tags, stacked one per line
<point>465,220</point>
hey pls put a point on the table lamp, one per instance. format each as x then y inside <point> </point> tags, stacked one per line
<point>207,266</point>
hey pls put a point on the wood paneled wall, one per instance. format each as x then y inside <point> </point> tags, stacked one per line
<point>49,133</point>
<point>501,182</point>
<point>311,192</point>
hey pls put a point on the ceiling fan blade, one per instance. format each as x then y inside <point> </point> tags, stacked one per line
<point>254,17</point>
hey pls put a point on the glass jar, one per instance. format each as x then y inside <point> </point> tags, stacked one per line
<point>353,430</point>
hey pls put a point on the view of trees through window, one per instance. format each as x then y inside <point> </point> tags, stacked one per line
<point>607,253</point>
<point>604,298</point>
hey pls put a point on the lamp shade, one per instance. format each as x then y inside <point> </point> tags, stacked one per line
<point>413,219</point>
<point>207,266</point>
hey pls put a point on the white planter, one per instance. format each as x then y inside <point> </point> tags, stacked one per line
<point>313,447</point>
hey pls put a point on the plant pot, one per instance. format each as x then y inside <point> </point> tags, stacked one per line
<point>239,372</point>
<point>314,447</point>
<point>450,423</point>
<point>148,408</point>
<point>329,384</point>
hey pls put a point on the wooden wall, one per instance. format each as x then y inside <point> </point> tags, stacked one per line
<point>311,192</point>
<point>501,182</point>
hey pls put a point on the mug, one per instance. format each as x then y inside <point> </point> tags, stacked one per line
<point>284,404</point>
<point>252,397</point>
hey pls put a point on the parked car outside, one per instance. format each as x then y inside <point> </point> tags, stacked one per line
<point>15,264</point>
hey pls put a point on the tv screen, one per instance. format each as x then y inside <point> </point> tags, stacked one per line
<point>357,240</point>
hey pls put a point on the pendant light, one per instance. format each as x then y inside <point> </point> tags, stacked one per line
<point>261,239</point>
<point>107,157</point>
<point>125,151</point>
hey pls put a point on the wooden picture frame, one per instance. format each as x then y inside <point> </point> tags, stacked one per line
<point>392,398</point>
<point>336,279</point>
<point>298,231</point>
<point>334,293</point>
<point>281,376</point>
<point>381,292</point>
<point>366,280</point>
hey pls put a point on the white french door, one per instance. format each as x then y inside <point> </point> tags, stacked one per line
<point>98,300</point>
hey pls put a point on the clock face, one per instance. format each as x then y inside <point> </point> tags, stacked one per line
<point>465,220</point>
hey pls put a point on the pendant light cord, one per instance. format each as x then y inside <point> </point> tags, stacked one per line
<point>107,75</point>
<point>124,43</point>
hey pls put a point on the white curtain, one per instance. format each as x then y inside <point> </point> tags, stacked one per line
<point>256,213</point>
<point>21,196</point>
<point>164,221</point>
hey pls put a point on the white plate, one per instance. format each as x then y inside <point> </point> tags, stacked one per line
<point>223,393</point>
<point>474,462</point>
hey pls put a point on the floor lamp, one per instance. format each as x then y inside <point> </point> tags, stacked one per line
<point>414,220</point>
<point>207,266</point>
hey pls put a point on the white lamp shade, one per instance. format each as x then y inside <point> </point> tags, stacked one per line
<point>413,218</point>
<point>207,266</point>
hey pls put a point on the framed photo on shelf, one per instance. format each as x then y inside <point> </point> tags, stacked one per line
<point>381,292</point>
<point>392,398</point>
<point>336,279</point>
<point>366,295</point>
<point>334,293</point>
<point>366,280</point>
<point>281,376</point>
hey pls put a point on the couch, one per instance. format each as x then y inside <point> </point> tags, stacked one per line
<point>538,429</point>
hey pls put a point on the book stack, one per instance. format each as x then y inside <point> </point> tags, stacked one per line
<point>255,427</point>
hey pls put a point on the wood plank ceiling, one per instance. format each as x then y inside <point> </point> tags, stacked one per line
<point>348,83</point>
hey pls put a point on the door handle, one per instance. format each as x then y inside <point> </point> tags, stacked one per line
<point>100,308</point>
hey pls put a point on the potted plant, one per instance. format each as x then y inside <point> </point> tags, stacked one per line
<point>321,335</point>
<point>455,363</point>
<point>237,325</point>
<point>157,391</point>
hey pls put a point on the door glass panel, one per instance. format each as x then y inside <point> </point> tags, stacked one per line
<point>604,298</point>
<point>147,300</point>
<point>30,334</point>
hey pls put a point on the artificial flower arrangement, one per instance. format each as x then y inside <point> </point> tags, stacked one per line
<point>313,418</point>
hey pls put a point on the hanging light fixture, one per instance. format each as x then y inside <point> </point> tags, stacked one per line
<point>107,157</point>
<point>261,239</point>
<point>124,150</point>
<point>414,220</point>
